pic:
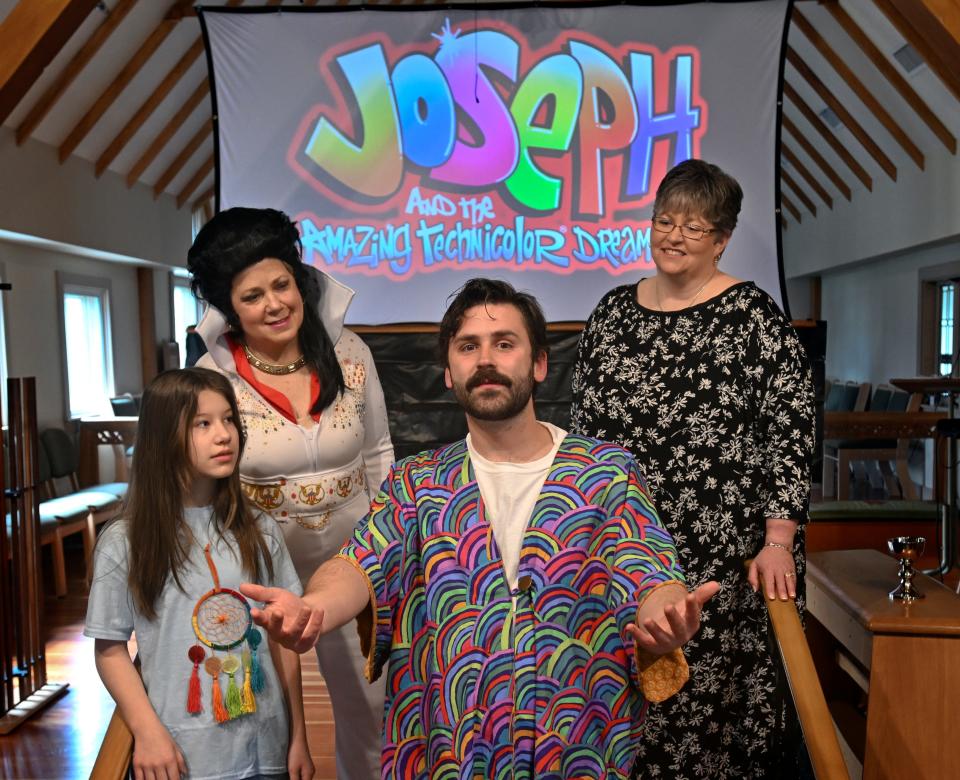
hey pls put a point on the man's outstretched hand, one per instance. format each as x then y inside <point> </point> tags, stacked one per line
<point>288,619</point>
<point>669,616</point>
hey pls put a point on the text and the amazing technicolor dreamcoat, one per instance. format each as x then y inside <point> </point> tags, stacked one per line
<point>474,149</point>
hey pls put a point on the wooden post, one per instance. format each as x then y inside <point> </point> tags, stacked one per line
<point>6,594</point>
<point>148,327</point>
<point>21,593</point>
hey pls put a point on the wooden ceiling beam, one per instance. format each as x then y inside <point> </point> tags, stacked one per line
<point>123,78</point>
<point>181,159</point>
<point>899,83</point>
<point>857,86</point>
<point>788,205</point>
<point>202,198</point>
<point>164,136</point>
<point>31,35</point>
<point>149,106</point>
<point>802,169</point>
<point>195,181</point>
<point>156,146</point>
<point>818,124</point>
<point>842,114</point>
<point>804,198</point>
<point>932,27</point>
<point>818,158</point>
<point>66,76</point>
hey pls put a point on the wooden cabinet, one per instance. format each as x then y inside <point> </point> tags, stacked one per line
<point>905,656</point>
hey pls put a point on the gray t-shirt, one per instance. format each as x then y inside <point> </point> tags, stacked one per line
<point>252,744</point>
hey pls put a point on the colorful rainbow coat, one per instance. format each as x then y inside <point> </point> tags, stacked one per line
<point>479,688</point>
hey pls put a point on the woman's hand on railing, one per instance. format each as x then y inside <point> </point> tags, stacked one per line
<point>774,569</point>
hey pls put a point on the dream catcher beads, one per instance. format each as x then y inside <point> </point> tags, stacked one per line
<point>221,621</point>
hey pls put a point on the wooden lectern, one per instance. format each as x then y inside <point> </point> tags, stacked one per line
<point>905,655</point>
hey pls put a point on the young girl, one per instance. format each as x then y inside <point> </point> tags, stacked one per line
<point>209,704</point>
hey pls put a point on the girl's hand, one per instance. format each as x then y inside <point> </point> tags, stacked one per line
<point>775,569</point>
<point>299,764</point>
<point>156,756</point>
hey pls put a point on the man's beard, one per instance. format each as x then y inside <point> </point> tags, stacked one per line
<point>499,407</point>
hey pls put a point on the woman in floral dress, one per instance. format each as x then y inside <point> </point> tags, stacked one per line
<point>703,379</point>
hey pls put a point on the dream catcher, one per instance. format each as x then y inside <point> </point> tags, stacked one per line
<point>221,621</point>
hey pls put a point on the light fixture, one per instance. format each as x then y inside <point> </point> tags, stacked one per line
<point>908,57</point>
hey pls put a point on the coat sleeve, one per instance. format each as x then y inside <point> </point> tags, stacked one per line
<point>376,551</point>
<point>644,559</point>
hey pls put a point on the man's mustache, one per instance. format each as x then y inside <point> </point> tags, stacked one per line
<point>487,376</point>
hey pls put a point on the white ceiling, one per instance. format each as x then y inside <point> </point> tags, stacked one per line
<point>91,82</point>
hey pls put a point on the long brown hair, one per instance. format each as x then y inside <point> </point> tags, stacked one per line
<point>161,476</point>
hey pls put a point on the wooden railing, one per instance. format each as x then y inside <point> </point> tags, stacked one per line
<point>116,751</point>
<point>815,719</point>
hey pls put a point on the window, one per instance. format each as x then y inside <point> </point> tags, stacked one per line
<point>945,321</point>
<point>939,344</point>
<point>186,311</point>
<point>87,344</point>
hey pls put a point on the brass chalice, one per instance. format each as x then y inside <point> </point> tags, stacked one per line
<point>907,549</point>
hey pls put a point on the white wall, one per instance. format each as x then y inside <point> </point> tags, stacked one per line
<point>33,327</point>
<point>66,203</point>
<point>873,314</point>
<point>868,252</point>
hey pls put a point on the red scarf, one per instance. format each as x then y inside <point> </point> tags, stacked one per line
<point>275,398</point>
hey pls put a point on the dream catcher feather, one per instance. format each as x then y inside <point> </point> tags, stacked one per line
<point>221,621</point>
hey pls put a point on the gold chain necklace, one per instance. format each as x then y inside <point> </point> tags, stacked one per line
<point>270,368</point>
<point>688,304</point>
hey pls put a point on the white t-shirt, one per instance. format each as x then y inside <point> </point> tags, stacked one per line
<point>251,745</point>
<point>509,492</point>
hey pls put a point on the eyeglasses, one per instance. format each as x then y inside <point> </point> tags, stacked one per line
<point>664,225</point>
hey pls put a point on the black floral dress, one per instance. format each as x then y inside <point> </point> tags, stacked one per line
<point>715,401</point>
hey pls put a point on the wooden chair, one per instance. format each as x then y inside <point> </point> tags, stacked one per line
<point>860,524</point>
<point>65,463</point>
<point>882,451</point>
<point>843,397</point>
<point>79,511</point>
<point>61,517</point>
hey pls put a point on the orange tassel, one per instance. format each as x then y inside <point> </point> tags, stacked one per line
<point>219,711</point>
<point>194,705</point>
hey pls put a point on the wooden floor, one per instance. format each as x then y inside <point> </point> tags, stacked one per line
<point>62,742</point>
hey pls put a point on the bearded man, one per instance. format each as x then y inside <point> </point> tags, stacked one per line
<point>517,587</point>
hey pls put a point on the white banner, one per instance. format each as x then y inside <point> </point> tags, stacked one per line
<point>418,148</point>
